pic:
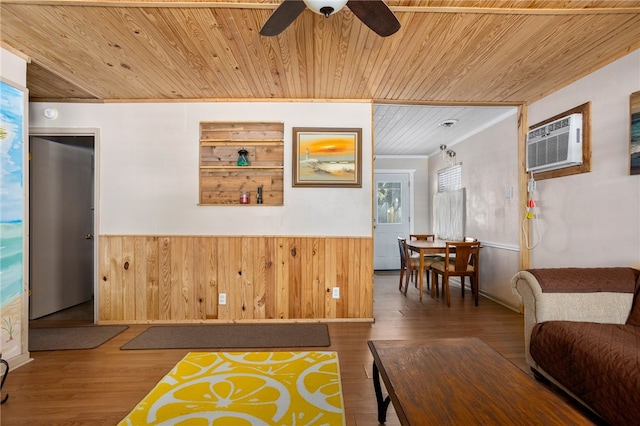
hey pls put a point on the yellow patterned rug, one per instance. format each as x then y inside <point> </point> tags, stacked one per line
<point>246,388</point>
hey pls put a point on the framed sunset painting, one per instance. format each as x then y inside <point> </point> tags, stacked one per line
<point>635,134</point>
<point>327,157</point>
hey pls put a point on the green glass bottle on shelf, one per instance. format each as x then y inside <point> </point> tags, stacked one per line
<point>243,159</point>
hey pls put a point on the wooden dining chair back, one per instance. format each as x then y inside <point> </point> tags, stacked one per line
<point>422,237</point>
<point>465,263</point>
<point>403,260</point>
<point>410,265</point>
<point>471,261</point>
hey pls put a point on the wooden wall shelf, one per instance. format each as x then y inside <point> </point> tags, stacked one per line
<point>222,180</point>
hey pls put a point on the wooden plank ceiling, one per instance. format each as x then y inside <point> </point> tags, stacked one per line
<point>447,51</point>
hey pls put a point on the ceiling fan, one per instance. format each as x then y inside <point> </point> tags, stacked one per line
<point>373,13</point>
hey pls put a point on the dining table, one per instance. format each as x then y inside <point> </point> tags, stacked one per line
<point>436,246</point>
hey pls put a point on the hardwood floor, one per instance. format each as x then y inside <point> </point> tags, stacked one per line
<point>100,386</point>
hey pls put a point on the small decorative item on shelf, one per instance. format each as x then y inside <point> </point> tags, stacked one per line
<point>259,198</point>
<point>244,197</point>
<point>243,160</point>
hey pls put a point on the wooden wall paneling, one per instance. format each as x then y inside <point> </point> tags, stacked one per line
<point>175,293</point>
<point>140,277</point>
<point>291,281</point>
<point>235,294</point>
<point>210,276</point>
<point>250,255</point>
<point>127,264</point>
<point>343,277</point>
<point>353,279</point>
<point>115,289</point>
<point>307,270</point>
<point>263,277</point>
<point>365,284</point>
<point>200,277</point>
<point>255,290</point>
<point>187,283</point>
<point>179,278</point>
<point>282,278</point>
<point>320,280</point>
<point>115,271</point>
<point>104,285</point>
<point>223,273</point>
<point>314,282</point>
<point>269,271</point>
<point>164,284</point>
<point>330,268</point>
<point>294,279</point>
<point>152,280</point>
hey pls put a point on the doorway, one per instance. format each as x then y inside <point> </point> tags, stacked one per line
<point>61,224</point>
<point>392,216</point>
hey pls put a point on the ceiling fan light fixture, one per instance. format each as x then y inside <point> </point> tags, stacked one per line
<point>325,7</point>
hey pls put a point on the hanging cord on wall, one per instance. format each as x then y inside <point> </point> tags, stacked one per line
<point>532,213</point>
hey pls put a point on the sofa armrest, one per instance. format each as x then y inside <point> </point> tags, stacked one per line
<point>602,307</point>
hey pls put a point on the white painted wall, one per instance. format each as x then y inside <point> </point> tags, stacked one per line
<point>489,169</point>
<point>148,169</point>
<point>593,219</point>
<point>13,67</point>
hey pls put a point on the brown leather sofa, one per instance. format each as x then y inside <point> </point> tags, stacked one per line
<point>582,332</point>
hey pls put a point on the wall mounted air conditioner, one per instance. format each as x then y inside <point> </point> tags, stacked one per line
<point>555,145</point>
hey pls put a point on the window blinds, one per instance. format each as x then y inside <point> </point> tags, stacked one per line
<point>449,205</point>
<point>450,179</point>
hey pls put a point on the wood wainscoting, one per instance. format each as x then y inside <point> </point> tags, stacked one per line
<point>179,278</point>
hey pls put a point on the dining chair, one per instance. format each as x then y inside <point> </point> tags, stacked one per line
<point>466,263</point>
<point>467,240</point>
<point>409,265</point>
<point>403,260</point>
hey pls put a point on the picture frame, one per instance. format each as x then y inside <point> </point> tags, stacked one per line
<point>327,157</point>
<point>634,134</point>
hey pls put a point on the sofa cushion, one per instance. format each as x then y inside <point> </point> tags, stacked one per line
<point>599,363</point>
<point>586,280</point>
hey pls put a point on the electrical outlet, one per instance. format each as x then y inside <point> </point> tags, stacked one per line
<point>336,292</point>
<point>222,299</point>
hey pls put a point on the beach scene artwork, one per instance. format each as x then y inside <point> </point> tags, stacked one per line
<point>12,110</point>
<point>327,158</point>
<point>635,134</point>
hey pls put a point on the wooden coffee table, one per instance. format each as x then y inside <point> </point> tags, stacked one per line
<point>461,382</point>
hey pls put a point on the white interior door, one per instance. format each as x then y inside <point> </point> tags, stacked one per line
<point>61,226</point>
<point>392,217</point>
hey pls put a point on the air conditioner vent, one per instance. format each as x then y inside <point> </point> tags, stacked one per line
<point>555,145</point>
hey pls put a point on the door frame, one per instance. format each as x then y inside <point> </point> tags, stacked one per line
<point>95,132</point>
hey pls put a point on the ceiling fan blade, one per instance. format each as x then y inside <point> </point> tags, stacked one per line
<point>282,17</point>
<point>376,15</point>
